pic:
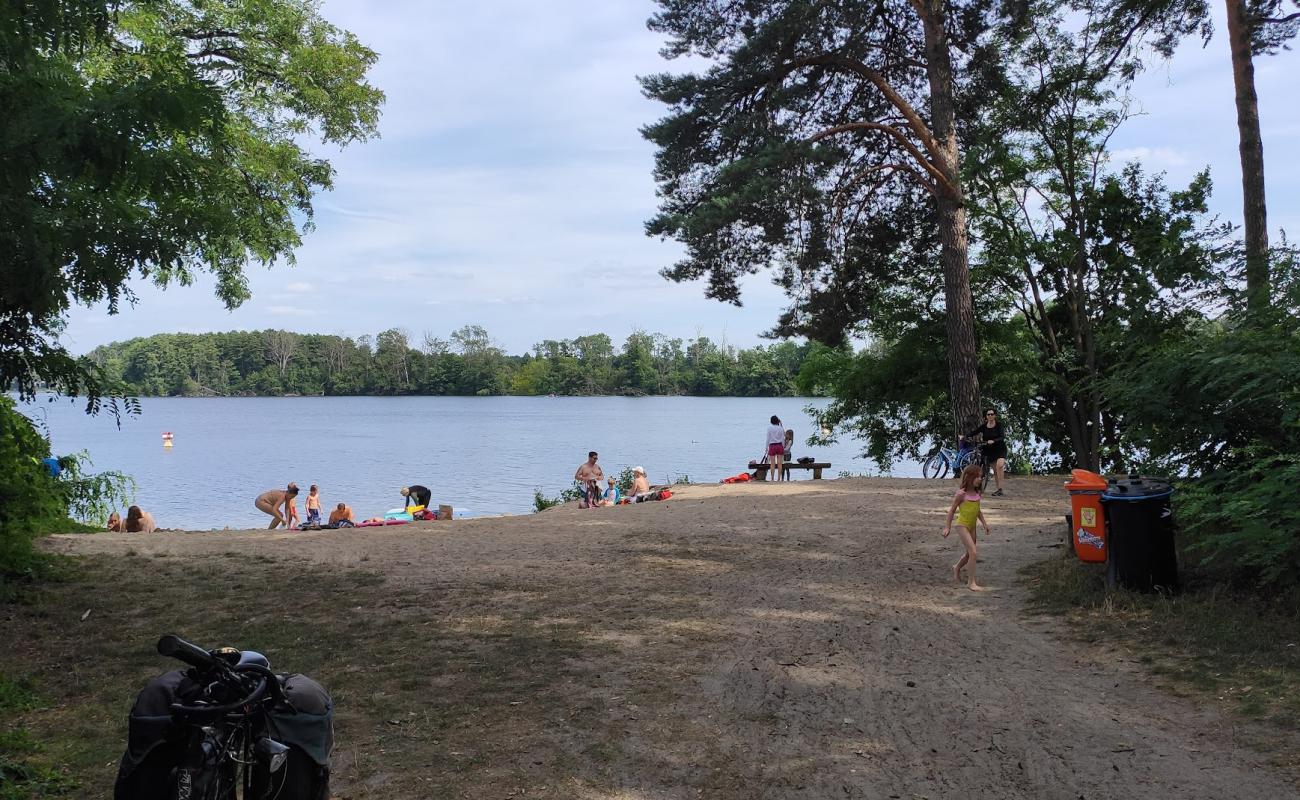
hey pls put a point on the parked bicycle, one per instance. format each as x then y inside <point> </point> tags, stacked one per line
<point>227,727</point>
<point>943,461</point>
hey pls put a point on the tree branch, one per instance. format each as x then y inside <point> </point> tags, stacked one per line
<point>898,136</point>
<point>855,67</point>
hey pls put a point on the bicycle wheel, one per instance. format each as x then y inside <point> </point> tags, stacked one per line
<point>936,466</point>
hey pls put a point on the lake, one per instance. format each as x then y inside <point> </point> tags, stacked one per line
<point>482,455</point>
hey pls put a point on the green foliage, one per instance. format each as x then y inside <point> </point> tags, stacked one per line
<point>91,497</point>
<point>1221,405</point>
<point>157,139</point>
<point>541,502</point>
<point>30,500</point>
<point>280,362</point>
<point>892,395</point>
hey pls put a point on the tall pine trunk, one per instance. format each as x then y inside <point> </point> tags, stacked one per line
<point>1251,145</point>
<point>963,373</point>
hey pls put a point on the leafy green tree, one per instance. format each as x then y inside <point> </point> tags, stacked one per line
<point>818,132</point>
<point>635,365</point>
<point>157,139</point>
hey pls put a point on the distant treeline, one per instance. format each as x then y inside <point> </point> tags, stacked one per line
<point>275,362</point>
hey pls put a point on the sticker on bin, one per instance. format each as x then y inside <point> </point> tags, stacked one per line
<point>1089,540</point>
<point>1088,516</point>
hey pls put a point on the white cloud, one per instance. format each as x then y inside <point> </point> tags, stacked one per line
<point>290,311</point>
<point>299,287</point>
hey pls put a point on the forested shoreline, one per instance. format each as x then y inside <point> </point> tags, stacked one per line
<point>468,362</point>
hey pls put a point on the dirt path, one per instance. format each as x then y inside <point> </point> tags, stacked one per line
<point>803,640</point>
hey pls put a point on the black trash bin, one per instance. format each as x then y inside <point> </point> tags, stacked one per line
<point>1140,536</point>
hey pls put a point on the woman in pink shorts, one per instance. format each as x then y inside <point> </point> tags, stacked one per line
<point>775,447</point>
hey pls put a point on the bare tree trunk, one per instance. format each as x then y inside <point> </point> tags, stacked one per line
<point>963,366</point>
<point>1251,145</point>
<point>280,348</point>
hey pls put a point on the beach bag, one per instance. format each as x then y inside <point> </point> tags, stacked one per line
<point>806,460</point>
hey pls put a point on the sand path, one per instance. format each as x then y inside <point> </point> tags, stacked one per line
<point>805,641</point>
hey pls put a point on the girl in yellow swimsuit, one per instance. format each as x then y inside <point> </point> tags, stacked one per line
<point>966,507</point>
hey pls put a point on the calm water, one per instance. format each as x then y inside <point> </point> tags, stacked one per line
<point>482,455</point>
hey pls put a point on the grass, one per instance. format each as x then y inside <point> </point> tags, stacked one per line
<point>1239,651</point>
<point>431,699</point>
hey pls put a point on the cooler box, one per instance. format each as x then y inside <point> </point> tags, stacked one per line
<point>1088,518</point>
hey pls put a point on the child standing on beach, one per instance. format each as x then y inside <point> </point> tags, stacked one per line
<point>966,507</point>
<point>291,510</point>
<point>313,506</point>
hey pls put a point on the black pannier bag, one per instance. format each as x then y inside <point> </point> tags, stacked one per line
<point>155,744</point>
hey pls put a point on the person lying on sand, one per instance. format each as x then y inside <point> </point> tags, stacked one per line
<point>138,521</point>
<point>114,522</point>
<point>271,501</point>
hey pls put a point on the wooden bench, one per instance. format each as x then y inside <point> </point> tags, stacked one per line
<point>816,468</point>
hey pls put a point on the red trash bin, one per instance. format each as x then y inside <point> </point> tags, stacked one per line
<point>1088,516</point>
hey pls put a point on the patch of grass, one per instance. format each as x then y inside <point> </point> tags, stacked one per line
<point>425,704</point>
<point>24,769</point>
<point>1206,642</point>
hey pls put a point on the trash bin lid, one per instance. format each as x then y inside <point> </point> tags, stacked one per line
<point>1136,487</point>
<point>1084,481</point>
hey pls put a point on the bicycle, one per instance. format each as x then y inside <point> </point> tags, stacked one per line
<point>943,460</point>
<point>226,727</point>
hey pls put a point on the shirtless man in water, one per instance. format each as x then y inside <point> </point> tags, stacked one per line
<point>590,475</point>
<point>270,502</point>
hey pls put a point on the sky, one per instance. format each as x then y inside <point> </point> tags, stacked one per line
<point>510,185</point>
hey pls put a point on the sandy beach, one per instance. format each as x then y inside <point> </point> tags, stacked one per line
<point>774,640</point>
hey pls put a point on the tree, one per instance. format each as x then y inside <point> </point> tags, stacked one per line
<point>780,152</point>
<point>280,349</point>
<point>1255,27</point>
<point>1094,263</point>
<point>156,140</point>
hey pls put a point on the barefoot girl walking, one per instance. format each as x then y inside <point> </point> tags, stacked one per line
<point>966,506</point>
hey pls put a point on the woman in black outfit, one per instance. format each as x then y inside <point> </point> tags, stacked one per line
<point>994,445</point>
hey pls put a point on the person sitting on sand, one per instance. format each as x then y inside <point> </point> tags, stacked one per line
<point>138,521</point>
<point>114,522</point>
<point>611,496</point>
<point>416,495</point>
<point>340,515</point>
<point>271,501</point>
<point>640,485</point>
<point>589,477</point>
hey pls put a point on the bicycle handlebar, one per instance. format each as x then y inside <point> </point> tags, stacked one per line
<point>174,646</point>
<point>215,711</point>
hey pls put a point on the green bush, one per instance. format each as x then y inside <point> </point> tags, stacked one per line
<point>1220,406</point>
<point>34,503</point>
<point>31,501</point>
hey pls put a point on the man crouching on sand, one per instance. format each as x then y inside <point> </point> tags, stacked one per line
<point>589,476</point>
